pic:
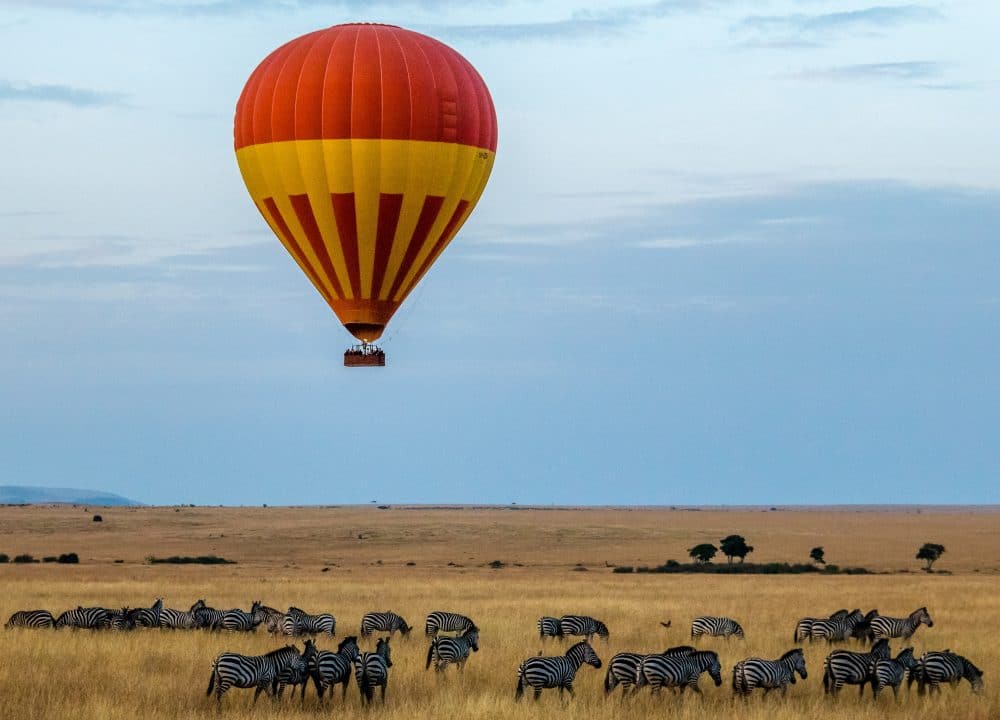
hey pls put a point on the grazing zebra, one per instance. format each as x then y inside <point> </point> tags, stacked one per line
<point>716,627</point>
<point>440,621</point>
<point>284,625</point>
<point>208,618</point>
<point>445,650</point>
<point>584,626</point>
<point>249,671</point>
<point>243,621</point>
<point>862,632</point>
<point>768,674</point>
<point>332,668</point>
<point>890,627</point>
<point>803,628</point>
<point>371,669</point>
<point>148,617</point>
<point>550,672</point>
<point>843,667</point>
<point>678,670</point>
<point>387,621</point>
<point>297,671</point>
<point>322,624</point>
<point>181,619</point>
<point>30,619</point>
<point>624,666</point>
<point>549,627</point>
<point>92,618</point>
<point>935,668</point>
<point>888,672</point>
<point>837,630</point>
<point>123,619</point>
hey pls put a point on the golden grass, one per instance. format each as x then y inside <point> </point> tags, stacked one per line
<point>160,675</point>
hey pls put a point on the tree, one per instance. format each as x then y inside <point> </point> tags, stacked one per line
<point>735,546</point>
<point>703,553</point>
<point>816,555</point>
<point>930,552</point>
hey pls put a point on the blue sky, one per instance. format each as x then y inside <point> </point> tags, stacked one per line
<point>731,252</point>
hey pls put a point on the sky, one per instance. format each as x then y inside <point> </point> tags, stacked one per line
<point>730,253</point>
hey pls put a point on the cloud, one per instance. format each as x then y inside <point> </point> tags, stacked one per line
<point>907,70</point>
<point>810,30</point>
<point>63,94</point>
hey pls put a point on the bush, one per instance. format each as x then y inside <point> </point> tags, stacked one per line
<point>672,566</point>
<point>4,557</point>
<point>496,564</point>
<point>98,518</point>
<point>69,559</point>
<point>25,558</point>
<point>188,560</point>
<point>624,569</point>
<point>49,558</point>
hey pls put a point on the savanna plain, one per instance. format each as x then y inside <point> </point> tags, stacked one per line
<point>351,560</point>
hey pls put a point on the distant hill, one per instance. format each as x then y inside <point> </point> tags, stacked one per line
<point>20,494</point>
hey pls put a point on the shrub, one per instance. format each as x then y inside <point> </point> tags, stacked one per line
<point>49,558</point>
<point>496,564</point>
<point>4,557</point>
<point>69,559</point>
<point>98,518</point>
<point>624,569</point>
<point>189,560</point>
<point>25,558</point>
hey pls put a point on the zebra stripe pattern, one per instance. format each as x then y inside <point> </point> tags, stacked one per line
<point>333,668</point>
<point>862,632</point>
<point>444,651</point>
<point>716,627</point>
<point>678,670</point>
<point>322,624</point>
<point>440,621</point>
<point>148,617</point>
<point>843,667</point>
<point>887,672</point>
<point>237,620</point>
<point>582,625</point>
<point>890,627</point>
<point>372,671</point>
<point>803,628</point>
<point>387,621</point>
<point>296,672</point>
<point>551,672</point>
<point>121,620</point>
<point>92,618</point>
<point>624,668</point>
<point>836,630</point>
<point>250,671</point>
<point>549,627</point>
<point>935,668</point>
<point>768,674</point>
<point>30,619</point>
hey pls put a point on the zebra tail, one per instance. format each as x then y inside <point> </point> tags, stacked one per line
<point>519,692</point>
<point>608,687</point>
<point>211,679</point>
<point>640,674</point>
<point>827,677</point>
<point>367,691</point>
<point>430,653</point>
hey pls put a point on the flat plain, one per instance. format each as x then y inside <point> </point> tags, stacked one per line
<point>349,560</point>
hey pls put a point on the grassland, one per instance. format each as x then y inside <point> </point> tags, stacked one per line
<point>282,553</point>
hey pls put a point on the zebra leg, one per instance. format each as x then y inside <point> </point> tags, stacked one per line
<point>382,692</point>
<point>538,693</point>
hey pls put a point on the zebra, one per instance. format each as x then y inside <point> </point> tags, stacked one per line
<point>387,621</point>
<point>284,625</point>
<point>148,617</point>
<point>837,630</point>
<point>803,628</point>
<point>843,667</point>
<point>678,670</point>
<point>123,619</point>
<point>208,617</point>
<point>554,671</point>
<point>332,668</point>
<point>890,627</point>
<point>297,671</point>
<point>716,627</point>
<point>624,666</point>
<point>243,621</point>
<point>92,618</point>
<point>584,626</point>
<point>440,621</point>
<point>549,627</point>
<point>180,619</point>
<point>888,672</point>
<point>445,650</point>
<point>371,670</point>
<point>768,674</point>
<point>862,632</point>
<point>249,671</point>
<point>307,624</point>
<point>30,619</point>
<point>934,668</point>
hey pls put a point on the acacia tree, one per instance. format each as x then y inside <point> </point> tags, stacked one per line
<point>816,555</point>
<point>703,553</point>
<point>930,552</point>
<point>735,546</point>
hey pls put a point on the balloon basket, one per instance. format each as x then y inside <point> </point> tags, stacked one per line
<point>364,356</point>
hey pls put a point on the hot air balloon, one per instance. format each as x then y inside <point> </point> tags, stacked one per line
<point>365,147</point>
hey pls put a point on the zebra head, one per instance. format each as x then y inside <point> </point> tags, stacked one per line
<point>708,660</point>
<point>197,606</point>
<point>738,632</point>
<point>349,648</point>
<point>471,636</point>
<point>310,652</point>
<point>403,627</point>
<point>157,606</point>
<point>602,630</point>
<point>796,661</point>
<point>870,614</point>
<point>583,653</point>
<point>383,649</point>
<point>880,649</point>
<point>973,674</point>
<point>906,659</point>
<point>922,616</point>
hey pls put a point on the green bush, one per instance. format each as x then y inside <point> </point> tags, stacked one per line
<point>25,558</point>
<point>68,559</point>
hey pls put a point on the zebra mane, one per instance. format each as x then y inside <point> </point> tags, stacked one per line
<point>790,653</point>
<point>283,651</point>
<point>579,646</point>
<point>870,614</point>
<point>680,650</point>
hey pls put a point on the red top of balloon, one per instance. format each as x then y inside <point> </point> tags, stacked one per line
<point>365,81</point>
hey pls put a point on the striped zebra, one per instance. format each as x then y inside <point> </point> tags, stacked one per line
<point>549,627</point>
<point>333,668</point>
<point>322,624</point>
<point>843,667</point>
<point>768,674</point>
<point>237,620</point>
<point>371,670</point>
<point>181,619</point>
<point>208,618</point>
<point>91,618</point>
<point>296,672</point>
<point>284,625</point>
<point>148,617</point>
<point>30,619</point>
<point>678,670</point>
<point>836,630</point>
<point>883,626</point>
<point>554,671</point>
<point>440,621</point>
<point>387,621</point>
<point>623,668</point>
<point>803,628</point>
<point>121,620</point>
<point>889,672</point>
<point>862,632</point>
<point>716,627</point>
<point>249,671</point>
<point>935,668</point>
<point>446,650</point>
<point>583,626</point>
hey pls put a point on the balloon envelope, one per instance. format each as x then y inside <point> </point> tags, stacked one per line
<point>365,148</point>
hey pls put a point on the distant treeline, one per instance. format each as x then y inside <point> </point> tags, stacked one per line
<point>189,560</point>
<point>672,566</point>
